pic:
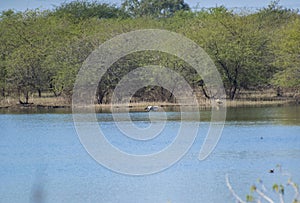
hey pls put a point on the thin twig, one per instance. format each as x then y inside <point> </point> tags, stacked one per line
<point>296,189</point>
<point>263,195</point>
<point>232,191</point>
<point>281,198</point>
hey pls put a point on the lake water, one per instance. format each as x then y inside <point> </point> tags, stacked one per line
<point>42,159</point>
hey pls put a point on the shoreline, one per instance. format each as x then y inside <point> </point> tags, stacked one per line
<point>140,106</point>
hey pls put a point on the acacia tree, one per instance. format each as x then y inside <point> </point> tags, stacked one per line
<point>81,10</point>
<point>274,16</point>
<point>8,42</point>
<point>154,8</point>
<point>24,71</point>
<point>288,56</point>
<point>42,51</point>
<point>282,25</point>
<point>3,51</point>
<point>25,61</point>
<point>29,37</point>
<point>239,48</point>
<point>65,64</point>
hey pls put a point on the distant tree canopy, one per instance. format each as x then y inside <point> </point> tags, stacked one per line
<point>81,10</point>
<point>154,8</point>
<point>287,52</point>
<point>42,51</point>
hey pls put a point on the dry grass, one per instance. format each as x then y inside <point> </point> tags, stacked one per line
<point>204,104</point>
<point>245,98</point>
<point>244,103</point>
<point>10,102</point>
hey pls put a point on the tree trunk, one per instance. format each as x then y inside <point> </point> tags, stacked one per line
<point>19,95</point>
<point>40,93</point>
<point>204,92</point>
<point>100,97</point>
<point>26,97</point>
<point>56,94</point>
<point>201,84</point>
<point>171,97</point>
<point>162,95</point>
<point>26,94</point>
<point>232,92</point>
<point>279,92</point>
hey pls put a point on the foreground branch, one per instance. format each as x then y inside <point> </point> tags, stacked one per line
<point>232,191</point>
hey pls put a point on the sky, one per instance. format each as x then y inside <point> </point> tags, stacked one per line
<point>22,5</point>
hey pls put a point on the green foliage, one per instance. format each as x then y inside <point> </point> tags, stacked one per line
<point>24,52</point>
<point>275,15</point>
<point>249,198</point>
<point>142,59</point>
<point>278,188</point>
<point>82,10</point>
<point>239,48</point>
<point>42,51</point>
<point>154,8</point>
<point>287,55</point>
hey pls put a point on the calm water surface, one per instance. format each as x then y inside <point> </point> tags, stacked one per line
<point>42,159</point>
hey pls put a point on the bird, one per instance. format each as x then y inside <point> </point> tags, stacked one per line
<point>271,171</point>
<point>151,108</point>
<point>219,101</point>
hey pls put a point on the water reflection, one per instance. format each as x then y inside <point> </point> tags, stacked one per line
<point>283,115</point>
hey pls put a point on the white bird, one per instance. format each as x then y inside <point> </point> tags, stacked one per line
<point>151,108</point>
<point>219,101</point>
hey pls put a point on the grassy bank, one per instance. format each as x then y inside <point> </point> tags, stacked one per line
<point>61,102</point>
<point>36,102</point>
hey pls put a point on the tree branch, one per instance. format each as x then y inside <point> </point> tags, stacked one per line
<point>263,195</point>
<point>232,191</point>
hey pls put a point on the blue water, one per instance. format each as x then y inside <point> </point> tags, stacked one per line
<point>42,159</point>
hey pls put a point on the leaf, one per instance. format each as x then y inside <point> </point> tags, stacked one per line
<point>253,188</point>
<point>275,187</point>
<point>249,198</point>
<point>281,189</point>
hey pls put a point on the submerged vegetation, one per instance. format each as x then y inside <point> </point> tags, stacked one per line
<point>42,51</point>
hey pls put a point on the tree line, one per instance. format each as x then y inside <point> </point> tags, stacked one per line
<point>42,51</point>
